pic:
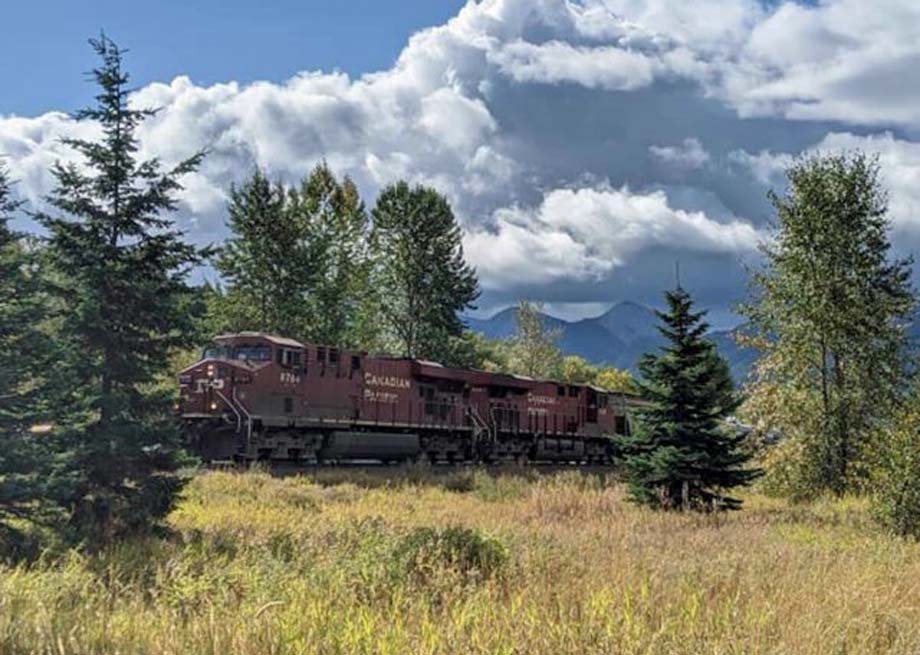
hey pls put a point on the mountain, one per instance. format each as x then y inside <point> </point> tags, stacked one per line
<point>618,337</point>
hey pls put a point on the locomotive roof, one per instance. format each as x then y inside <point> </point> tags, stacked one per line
<point>271,338</point>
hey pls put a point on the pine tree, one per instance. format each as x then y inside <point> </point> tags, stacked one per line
<point>681,457</point>
<point>423,278</point>
<point>119,271</point>
<point>830,312</point>
<point>26,481</point>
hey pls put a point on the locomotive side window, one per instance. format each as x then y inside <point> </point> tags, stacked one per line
<point>253,353</point>
<point>355,362</point>
<point>321,359</point>
<point>602,400</point>
<point>288,405</point>
<point>290,358</point>
<point>560,391</point>
<point>573,392</point>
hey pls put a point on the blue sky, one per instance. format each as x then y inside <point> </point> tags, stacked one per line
<point>208,40</point>
<point>585,145</point>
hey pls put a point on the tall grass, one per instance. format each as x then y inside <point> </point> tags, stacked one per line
<point>409,561</point>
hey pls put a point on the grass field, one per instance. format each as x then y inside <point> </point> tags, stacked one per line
<point>420,561</point>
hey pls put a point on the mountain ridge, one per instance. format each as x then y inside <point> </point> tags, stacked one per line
<point>618,337</point>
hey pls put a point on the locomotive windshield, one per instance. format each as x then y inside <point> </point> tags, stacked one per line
<point>216,352</point>
<point>258,353</point>
<point>255,353</point>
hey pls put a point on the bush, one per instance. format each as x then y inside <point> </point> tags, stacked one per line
<point>897,499</point>
<point>424,553</point>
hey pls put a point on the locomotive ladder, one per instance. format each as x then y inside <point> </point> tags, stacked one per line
<point>480,427</point>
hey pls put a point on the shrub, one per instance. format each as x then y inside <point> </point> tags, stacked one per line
<point>897,497</point>
<point>425,552</point>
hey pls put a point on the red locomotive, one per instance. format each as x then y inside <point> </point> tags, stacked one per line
<point>255,396</point>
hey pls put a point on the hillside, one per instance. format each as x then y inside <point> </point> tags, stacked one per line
<point>618,337</point>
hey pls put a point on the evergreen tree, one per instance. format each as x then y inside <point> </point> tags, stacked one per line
<point>423,278</point>
<point>681,457</point>
<point>830,311</point>
<point>119,270</point>
<point>25,473</point>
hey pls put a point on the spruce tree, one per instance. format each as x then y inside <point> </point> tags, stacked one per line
<point>27,485</point>
<point>423,278</point>
<point>119,271</point>
<point>681,457</point>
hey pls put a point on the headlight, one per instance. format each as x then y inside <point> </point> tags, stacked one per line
<point>213,406</point>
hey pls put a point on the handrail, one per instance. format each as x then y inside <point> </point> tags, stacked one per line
<point>248,416</point>
<point>231,406</point>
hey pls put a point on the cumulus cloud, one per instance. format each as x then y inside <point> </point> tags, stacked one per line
<point>584,234</point>
<point>584,144</point>
<point>690,154</point>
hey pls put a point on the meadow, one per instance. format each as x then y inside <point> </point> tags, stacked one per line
<point>467,561</point>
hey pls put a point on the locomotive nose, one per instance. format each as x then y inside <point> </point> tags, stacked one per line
<point>203,389</point>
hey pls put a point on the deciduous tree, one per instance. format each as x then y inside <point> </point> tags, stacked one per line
<point>830,310</point>
<point>534,349</point>
<point>423,278</point>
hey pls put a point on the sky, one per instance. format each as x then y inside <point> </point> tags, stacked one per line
<point>587,146</point>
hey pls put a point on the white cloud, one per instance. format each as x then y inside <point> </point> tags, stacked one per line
<point>586,233</point>
<point>690,154</point>
<point>533,116</point>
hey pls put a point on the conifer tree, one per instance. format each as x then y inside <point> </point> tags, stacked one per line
<point>25,475</point>
<point>119,271</point>
<point>680,457</point>
<point>424,280</point>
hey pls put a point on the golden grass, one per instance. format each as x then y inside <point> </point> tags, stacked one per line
<point>319,564</point>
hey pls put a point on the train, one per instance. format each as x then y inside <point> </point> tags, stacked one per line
<point>254,396</point>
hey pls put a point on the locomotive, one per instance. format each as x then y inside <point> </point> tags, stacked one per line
<point>255,396</point>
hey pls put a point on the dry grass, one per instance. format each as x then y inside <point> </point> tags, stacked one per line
<point>340,563</point>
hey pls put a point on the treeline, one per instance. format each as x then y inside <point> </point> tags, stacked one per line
<point>310,262</point>
<point>95,314</point>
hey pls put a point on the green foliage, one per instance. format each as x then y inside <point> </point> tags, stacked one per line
<point>830,310</point>
<point>681,457</point>
<point>896,498</point>
<point>26,503</point>
<point>424,553</point>
<point>533,350</point>
<point>117,268</point>
<point>423,280</point>
<point>297,263</point>
<point>256,262</point>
